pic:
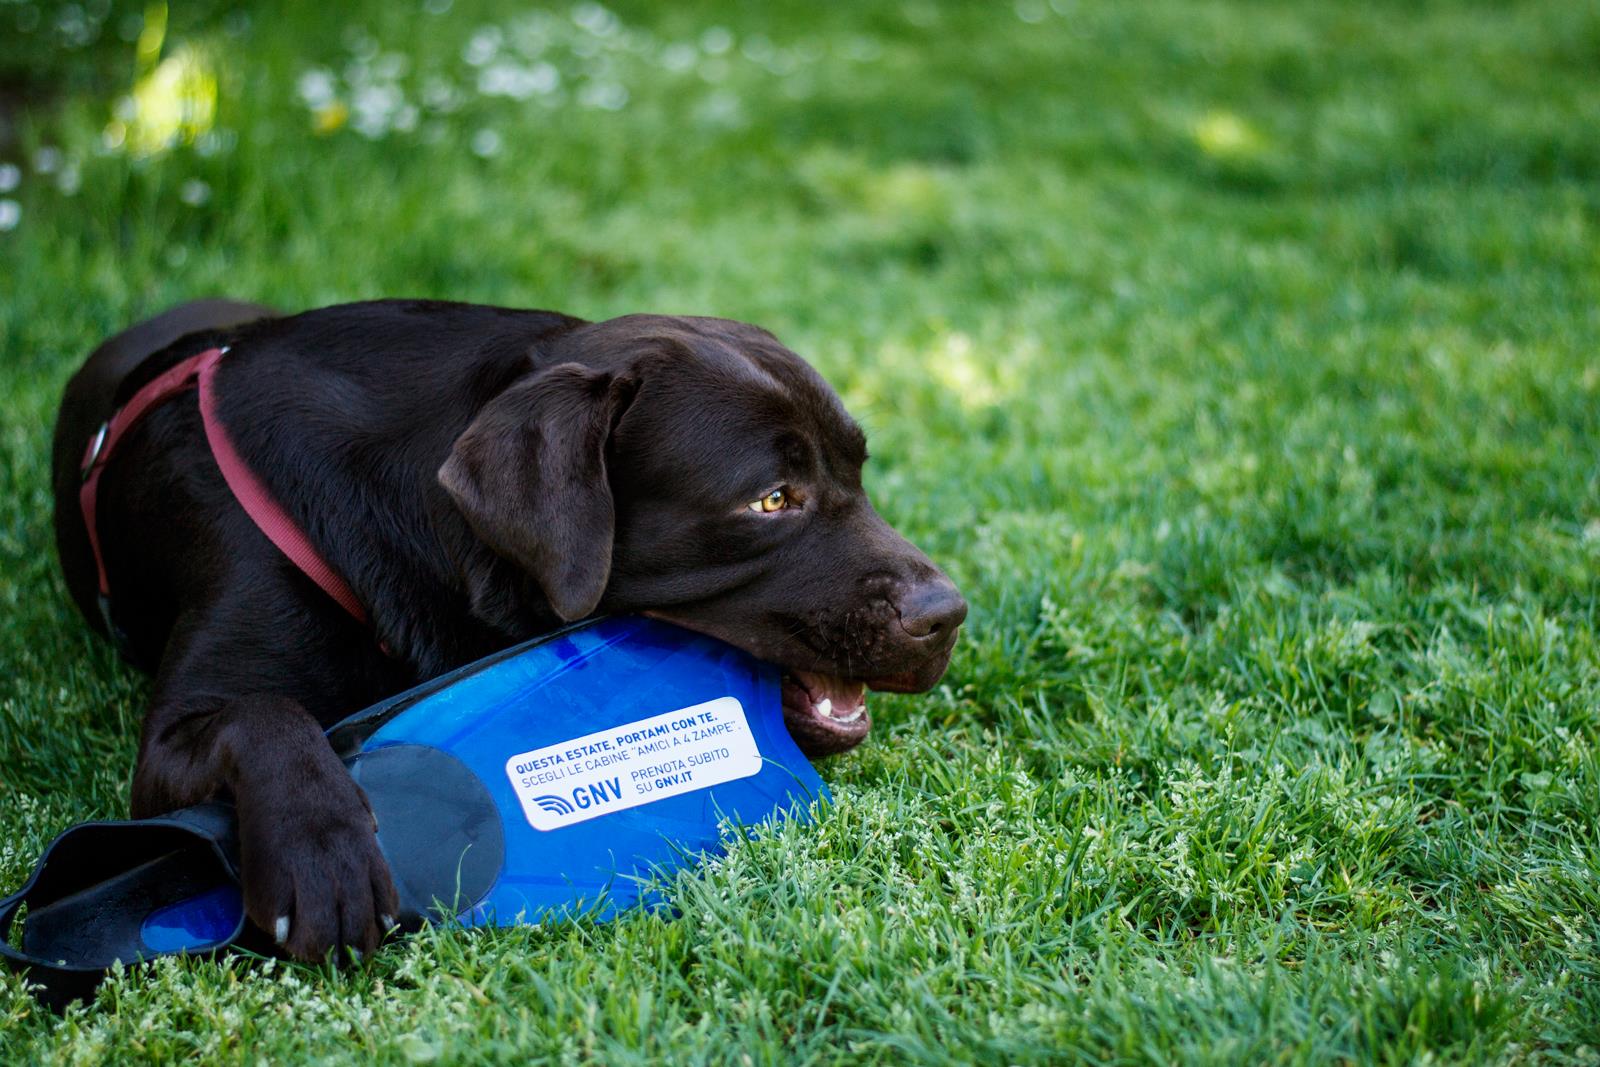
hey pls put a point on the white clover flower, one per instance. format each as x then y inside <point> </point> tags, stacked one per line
<point>440,95</point>
<point>679,57</point>
<point>194,192</point>
<point>483,46</point>
<point>518,82</point>
<point>1030,11</point>
<point>758,49</point>
<point>10,214</point>
<point>316,87</point>
<point>10,177</point>
<point>373,109</point>
<point>486,143</point>
<point>608,96</point>
<point>720,108</point>
<point>545,78</point>
<point>596,19</point>
<point>362,44</point>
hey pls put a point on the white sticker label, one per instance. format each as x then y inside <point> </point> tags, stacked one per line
<point>625,766</point>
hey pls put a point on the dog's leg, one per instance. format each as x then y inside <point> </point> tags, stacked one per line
<point>313,874</point>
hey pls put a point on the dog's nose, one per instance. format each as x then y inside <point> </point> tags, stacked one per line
<point>932,610</point>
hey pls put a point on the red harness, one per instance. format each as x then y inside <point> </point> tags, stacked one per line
<point>280,529</point>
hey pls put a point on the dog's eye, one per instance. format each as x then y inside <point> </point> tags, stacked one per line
<point>776,500</point>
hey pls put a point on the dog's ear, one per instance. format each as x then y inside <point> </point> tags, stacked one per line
<point>529,475</point>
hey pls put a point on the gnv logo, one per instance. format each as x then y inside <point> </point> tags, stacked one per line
<point>634,763</point>
<point>583,798</point>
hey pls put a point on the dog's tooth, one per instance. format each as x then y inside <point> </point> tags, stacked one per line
<point>280,929</point>
<point>855,714</point>
<point>824,706</point>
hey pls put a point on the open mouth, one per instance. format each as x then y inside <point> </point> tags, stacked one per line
<point>825,713</point>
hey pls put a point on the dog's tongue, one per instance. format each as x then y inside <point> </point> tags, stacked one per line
<point>832,696</point>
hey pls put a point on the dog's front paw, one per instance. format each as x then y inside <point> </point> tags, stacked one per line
<point>313,875</point>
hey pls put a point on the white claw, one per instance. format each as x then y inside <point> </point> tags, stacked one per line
<point>280,929</point>
<point>825,707</point>
<point>388,922</point>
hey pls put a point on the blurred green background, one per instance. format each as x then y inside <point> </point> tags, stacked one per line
<point>1237,358</point>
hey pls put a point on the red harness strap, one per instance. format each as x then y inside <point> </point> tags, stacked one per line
<point>252,495</point>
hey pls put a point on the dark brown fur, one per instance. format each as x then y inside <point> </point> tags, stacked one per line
<point>478,475</point>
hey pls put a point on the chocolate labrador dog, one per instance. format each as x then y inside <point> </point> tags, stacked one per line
<point>477,476</point>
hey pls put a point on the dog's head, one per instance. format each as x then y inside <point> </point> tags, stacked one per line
<point>697,470</point>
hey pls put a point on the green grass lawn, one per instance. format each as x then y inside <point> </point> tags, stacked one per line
<point>1239,360</point>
